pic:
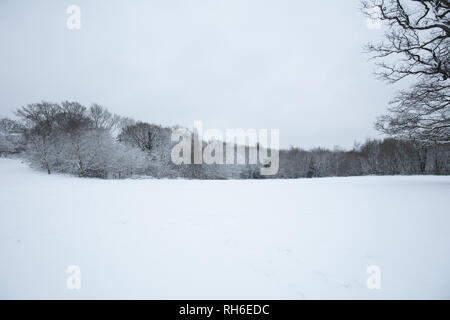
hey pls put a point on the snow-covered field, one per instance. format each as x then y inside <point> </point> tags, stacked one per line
<point>177,239</point>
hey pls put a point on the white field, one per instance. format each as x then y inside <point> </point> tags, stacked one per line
<point>178,239</point>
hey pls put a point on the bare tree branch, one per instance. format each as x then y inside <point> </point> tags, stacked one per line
<point>417,44</point>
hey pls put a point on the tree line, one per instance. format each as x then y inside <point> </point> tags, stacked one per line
<point>93,142</point>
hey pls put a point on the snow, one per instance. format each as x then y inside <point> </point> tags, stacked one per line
<point>235,239</point>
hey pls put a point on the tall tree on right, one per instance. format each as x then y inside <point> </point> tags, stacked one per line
<point>416,45</point>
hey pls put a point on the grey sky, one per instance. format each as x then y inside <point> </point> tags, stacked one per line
<point>288,64</point>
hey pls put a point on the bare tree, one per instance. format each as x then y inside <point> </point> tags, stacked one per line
<point>102,118</point>
<point>39,120</point>
<point>141,135</point>
<point>10,136</point>
<point>416,45</point>
<point>420,113</point>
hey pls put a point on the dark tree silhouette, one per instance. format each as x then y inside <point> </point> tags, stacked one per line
<point>416,45</point>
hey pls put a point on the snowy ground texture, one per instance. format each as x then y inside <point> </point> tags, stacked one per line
<point>177,239</point>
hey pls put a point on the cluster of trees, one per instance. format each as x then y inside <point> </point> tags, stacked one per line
<point>375,157</point>
<point>10,137</point>
<point>71,138</point>
<point>92,142</point>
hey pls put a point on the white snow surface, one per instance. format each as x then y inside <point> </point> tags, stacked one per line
<point>235,239</point>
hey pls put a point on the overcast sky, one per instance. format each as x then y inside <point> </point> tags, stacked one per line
<point>290,64</point>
